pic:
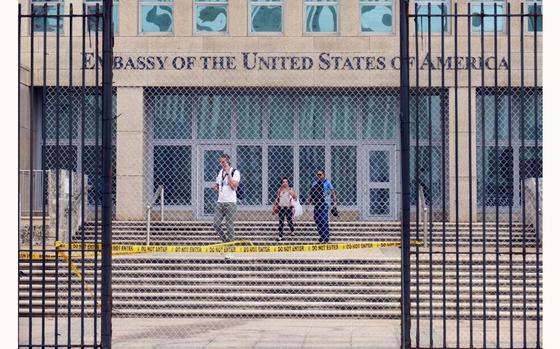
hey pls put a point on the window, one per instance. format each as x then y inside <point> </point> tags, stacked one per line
<point>311,159</point>
<point>266,16</point>
<point>430,111</point>
<point>156,16</point>
<point>171,115</point>
<point>62,108</point>
<point>534,6</point>
<point>249,120</point>
<point>436,9</point>
<point>344,168</point>
<point>93,24</point>
<point>321,16</point>
<point>312,117</point>
<point>378,115</point>
<point>172,169</point>
<point>508,164</point>
<point>210,16</point>
<point>249,159</point>
<point>214,117</point>
<point>281,116</point>
<point>344,117</point>
<point>487,23</point>
<point>280,164</point>
<point>52,6</point>
<point>427,109</point>
<point>376,16</point>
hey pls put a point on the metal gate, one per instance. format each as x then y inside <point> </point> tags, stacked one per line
<point>477,283</point>
<point>64,288</point>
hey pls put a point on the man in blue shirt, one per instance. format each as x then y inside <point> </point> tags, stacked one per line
<point>320,197</point>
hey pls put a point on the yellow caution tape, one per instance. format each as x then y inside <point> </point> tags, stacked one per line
<point>241,246</point>
<point>76,271</point>
<point>234,247</point>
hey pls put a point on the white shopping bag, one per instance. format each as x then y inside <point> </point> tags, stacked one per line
<point>298,209</point>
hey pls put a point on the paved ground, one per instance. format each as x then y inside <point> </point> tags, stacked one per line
<point>278,333</point>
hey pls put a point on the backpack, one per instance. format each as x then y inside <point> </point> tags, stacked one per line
<point>240,190</point>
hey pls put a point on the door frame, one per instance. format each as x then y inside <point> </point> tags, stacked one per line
<point>392,184</point>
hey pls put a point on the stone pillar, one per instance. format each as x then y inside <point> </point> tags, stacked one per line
<point>59,219</point>
<point>463,153</point>
<point>128,25</point>
<point>130,203</point>
<point>293,18</point>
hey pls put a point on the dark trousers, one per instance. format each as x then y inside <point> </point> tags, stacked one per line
<point>285,212</point>
<point>321,216</point>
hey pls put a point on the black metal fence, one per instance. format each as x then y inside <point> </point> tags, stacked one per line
<point>481,289</point>
<point>64,289</point>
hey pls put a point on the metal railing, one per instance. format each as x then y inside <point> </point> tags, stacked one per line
<point>533,212</point>
<point>159,193</point>
<point>25,184</point>
<point>423,215</point>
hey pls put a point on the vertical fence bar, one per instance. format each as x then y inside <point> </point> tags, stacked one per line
<point>483,147</point>
<point>456,90</point>
<point>522,170</point>
<point>496,183</point>
<point>70,167</point>
<point>430,191</point>
<point>417,175</point>
<point>83,202</point>
<point>57,167</point>
<point>31,128</point>
<point>97,171</point>
<point>20,245</point>
<point>44,195</point>
<point>537,194</point>
<point>443,182</point>
<point>469,99</point>
<point>405,177</point>
<point>510,201</point>
<point>107,207</point>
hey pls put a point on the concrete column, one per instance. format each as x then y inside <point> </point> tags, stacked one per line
<point>293,18</point>
<point>183,18</point>
<point>463,154</point>
<point>349,21</point>
<point>25,119</point>
<point>130,154</point>
<point>237,17</point>
<point>129,16</point>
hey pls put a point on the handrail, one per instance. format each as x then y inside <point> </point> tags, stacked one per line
<point>158,193</point>
<point>25,178</point>
<point>530,200</point>
<point>424,215</point>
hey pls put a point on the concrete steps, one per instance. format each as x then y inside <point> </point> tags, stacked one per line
<point>269,287</point>
<point>476,235</point>
<point>313,285</point>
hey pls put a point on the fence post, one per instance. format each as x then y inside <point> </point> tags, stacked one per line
<point>107,204</point>
<point>405,176</point>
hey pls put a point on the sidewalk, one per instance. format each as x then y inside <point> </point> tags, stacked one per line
<point>175,333</point>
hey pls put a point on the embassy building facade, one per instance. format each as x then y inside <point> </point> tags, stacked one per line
<point>288,87</point>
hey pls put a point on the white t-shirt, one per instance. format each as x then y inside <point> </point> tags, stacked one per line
<point>225,193</point>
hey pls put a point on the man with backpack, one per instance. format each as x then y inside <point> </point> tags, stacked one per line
<point>227,184</point>
<point>320,197</point>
